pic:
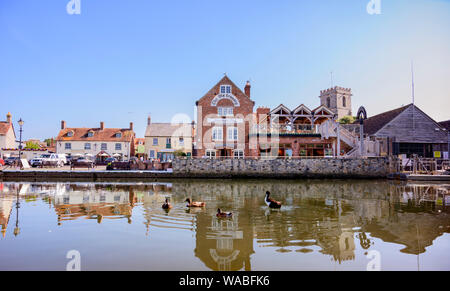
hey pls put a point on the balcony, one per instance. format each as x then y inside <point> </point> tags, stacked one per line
<point>288,130</point>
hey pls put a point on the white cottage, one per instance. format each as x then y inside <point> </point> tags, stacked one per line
<point>97,143</point>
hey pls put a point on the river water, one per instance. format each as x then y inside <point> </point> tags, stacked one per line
<point>323,225</point>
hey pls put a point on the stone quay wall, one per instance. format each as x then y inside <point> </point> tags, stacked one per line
<point>379,167</point>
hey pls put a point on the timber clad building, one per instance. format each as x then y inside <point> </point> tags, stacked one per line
<point>409,131</point>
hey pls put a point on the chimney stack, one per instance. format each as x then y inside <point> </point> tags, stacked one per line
<point>8,117</point>
<point>149,120</point>
<point>247,89</point>
<point>63,124</point>
<point>102,125</point>
<point>131,125</point>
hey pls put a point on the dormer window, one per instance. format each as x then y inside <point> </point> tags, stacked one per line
<point>90,134</point>
<point>70,134</point>
<point>225,89</point>
<point>119,135</point>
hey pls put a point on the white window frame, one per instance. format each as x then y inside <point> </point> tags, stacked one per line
<point>238,154</point>
<point>232,133</point>
<point>87,146</point>
<point>225,89</point>
<point>181,141</point>
<point>118,147</point>
<point>151,154</point>
<point>225,111</point>
<point>211,154</point>
<point>67,146</point>
<point>105,146</point>
<point>157,141</point>
<point>217,133</point>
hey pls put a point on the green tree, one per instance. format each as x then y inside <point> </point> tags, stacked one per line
<point>32,145</point>
<point>347,120</point>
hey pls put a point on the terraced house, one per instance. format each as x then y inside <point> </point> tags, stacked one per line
<point>164,140</point>
<point>96,143</point>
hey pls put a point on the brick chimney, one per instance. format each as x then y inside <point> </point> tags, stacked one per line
<point>63,124</point>
<point>8,117</point>
<point>102,125</point>
<point>149,120</point>
<point>247,89</point>
<point>131,125</point>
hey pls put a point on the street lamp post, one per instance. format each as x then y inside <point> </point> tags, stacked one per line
<point>20,140</point>
<point>17,229</point>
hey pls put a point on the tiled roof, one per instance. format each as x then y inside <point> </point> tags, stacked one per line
<point>4,126</point>
<point>373,124</point>
<point>445,124</point>
<point>169,129</point>
<point>106,134</point>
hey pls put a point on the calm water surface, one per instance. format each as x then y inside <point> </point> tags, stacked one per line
<point>323,225</point>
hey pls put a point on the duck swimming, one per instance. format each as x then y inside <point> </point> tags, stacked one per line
<point>194,204</point>
<point>221,214</point>
<point>167,205</point>
<point>270,202</point>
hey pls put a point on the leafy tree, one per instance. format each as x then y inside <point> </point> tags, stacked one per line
<point>32,145</point>
<point>347,120</point>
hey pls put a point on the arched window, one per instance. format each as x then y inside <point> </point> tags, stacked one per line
<point>344,102</point>
<point>328,102</point>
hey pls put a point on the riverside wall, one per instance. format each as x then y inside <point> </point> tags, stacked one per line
<point>378,167</point>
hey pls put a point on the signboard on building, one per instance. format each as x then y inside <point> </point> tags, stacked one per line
<point>437,154</point>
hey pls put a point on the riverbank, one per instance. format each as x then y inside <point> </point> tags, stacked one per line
<point>372,168</point>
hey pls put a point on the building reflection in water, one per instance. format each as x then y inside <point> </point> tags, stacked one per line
<point>333,218</point>
<point>224,244</point>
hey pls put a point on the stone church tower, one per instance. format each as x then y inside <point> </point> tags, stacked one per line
<point>338,100</point>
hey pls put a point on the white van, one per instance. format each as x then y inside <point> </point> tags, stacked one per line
<point>59,158</point>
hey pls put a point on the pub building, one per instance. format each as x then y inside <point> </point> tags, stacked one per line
<point>223,117</point>
<point>293,133</point>
<point>228,126</point>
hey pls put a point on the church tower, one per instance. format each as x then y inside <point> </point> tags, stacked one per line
<point>338,100</point>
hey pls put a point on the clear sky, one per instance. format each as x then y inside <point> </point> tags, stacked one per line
<point>119,61</point>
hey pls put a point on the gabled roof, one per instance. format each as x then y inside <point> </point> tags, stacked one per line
<point>373,124</point>
<point>302,107</point>
<point>323,107</point>
<point>280,107</point>
<point>445,124</point>
<point>4,127</point>
<point>227,80</point>
<point>106,134</point>
<point>169,130</point>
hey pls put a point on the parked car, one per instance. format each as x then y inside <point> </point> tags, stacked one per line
<point>57,159</point>
<point>11,160</point>
<point>36,162</point>
<point>2,162</point>
<point>82,163</point>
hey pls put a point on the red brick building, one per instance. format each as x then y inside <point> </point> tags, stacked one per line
<point>224,115</point>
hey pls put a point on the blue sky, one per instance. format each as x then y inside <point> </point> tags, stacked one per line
<point>119,61</point>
